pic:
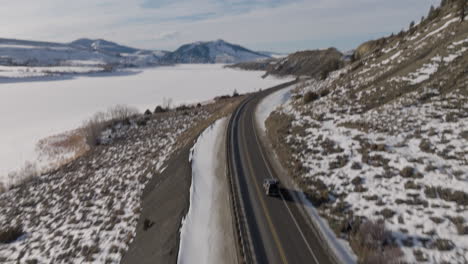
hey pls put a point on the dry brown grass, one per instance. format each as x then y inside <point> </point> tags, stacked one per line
<point>63,148</point>
<point>93,127</point>
<point>24,174</point>
<point>55,144</point>
<point>310,97</point>
<point>372,243</point>
<point>449,195</point>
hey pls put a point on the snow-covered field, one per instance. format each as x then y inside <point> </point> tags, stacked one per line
<point>30,111</point>
<point>201,236</point>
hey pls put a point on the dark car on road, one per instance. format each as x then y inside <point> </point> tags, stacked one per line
<point>272,187</point>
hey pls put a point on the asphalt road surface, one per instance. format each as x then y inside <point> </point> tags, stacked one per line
<point>278,232</point>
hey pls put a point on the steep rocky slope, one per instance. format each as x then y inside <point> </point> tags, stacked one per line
<point>381,145</point>
<point>312,63</point>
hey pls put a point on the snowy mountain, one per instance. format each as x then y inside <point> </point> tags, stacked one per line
<point>99,52</point>
<point>218,51</point>
<point>82,52</point>
<point>102,46</point>
<point>32,53</point>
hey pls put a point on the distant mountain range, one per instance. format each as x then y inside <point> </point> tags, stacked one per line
<point>218,51</point>
<point>102,52</point>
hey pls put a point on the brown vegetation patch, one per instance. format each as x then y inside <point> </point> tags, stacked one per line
<point>459,197</point>
<point>372,243</point>
<point>10,234</point>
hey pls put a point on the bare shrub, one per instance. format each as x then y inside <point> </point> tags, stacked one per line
<point>167,103</point>
<point>373,244</point>
<point>24,174</point>
<point>94,126</point>
<point>121,113</point>
<point>62,148</point>
<point>387,213</point>
<point>444,244</point>
<point>310,97</point>
<point>426,146</point>
<point>447,194</point>
<point>10,234</point>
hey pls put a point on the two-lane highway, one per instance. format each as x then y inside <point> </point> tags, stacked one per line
<point>277,230</point>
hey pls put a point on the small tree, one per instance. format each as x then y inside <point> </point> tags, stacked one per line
<point>433,13</point>
<point>431,10</point>
<point>401,34</point>
<point>411,24</point>
<point>462,4</point>
<point>167,102</point>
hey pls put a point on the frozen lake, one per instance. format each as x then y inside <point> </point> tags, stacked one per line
<point>30,111</point>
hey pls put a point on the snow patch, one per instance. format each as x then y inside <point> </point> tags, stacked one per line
<point>200,233</point>
<point>269,104</point>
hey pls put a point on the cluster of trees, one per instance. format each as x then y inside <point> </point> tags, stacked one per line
<point>461,5</point>
<point>434,12</point>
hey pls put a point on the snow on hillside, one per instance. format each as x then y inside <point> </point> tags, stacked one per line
<point>418,183</point>
<point>87,212</point>
<point>19,55</point>
<point>85,51</point>
<point>102,46</point>
<point>385,140</point>
<point>218,51</point>
<point>26,118</point>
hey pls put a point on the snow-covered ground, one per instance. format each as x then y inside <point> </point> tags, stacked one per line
<point>270,103</point>
<point>395,174</point>
<point>30,111</point>
<point>201,235</point>
<point>88,212</point>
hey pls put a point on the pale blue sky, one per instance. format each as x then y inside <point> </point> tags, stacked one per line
<point>277,25</point>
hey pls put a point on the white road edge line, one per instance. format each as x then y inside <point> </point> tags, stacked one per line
<point>282,198</point>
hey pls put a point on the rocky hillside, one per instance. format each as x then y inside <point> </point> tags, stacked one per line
<point>102,45</point>
<point>218,51</point>
<point>312,63</point>
<point>381,145</point>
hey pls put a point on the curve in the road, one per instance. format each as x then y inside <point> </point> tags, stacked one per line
<point>276,229</point>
